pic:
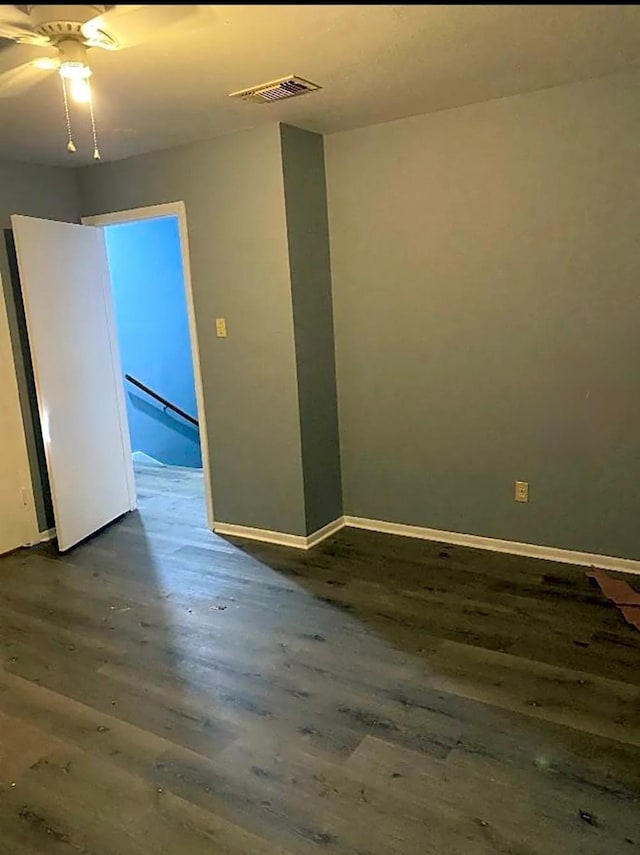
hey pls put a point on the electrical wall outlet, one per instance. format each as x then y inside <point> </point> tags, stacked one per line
<point>221,328</point>
<point>521,491</point>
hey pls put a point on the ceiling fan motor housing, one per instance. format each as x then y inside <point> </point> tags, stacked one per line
<point>72,53</point>
<point>63,23</point>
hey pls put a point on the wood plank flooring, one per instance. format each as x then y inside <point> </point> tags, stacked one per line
<point>165,690</point>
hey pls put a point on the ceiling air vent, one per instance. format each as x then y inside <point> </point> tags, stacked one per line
<point>288,87</point>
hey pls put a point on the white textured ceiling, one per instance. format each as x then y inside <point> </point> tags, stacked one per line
<point>375,63</point>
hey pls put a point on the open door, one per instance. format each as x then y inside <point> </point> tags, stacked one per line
<point>65,282</point>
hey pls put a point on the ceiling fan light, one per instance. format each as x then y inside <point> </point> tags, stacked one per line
<point>73,70</point>
<point>80,90</point>
<point>45,63</point>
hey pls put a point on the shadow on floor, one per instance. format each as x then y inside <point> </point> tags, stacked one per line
<point>462,654</point>
<point>165,689</point>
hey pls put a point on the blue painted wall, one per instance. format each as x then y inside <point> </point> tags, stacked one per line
<point>153,331</point>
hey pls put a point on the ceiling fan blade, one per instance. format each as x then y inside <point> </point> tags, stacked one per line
<point>131,25</point>
<point>16,25</point>
<point>13,15</point>
<point>16,81</point>
<point>16,54</point>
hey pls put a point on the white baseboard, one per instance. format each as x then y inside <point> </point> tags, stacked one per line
<point>323,533</point>
<point>45,536</point>
<point>475,541</point>
<point>263,534</point>
<point>296,541</point>
<point>530,550</point>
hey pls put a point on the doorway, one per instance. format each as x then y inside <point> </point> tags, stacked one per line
<point>81,410</point>
<point>154,320</point>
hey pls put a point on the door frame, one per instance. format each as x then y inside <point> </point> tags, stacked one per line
<point>15,439</point>
<point>152,212</point>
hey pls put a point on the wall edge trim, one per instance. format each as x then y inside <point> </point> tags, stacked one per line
<point>280,538</point>
<point>474,541</point>
<point>326,531</point>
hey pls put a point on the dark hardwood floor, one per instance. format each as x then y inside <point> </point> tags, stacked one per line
<point>165,690</point>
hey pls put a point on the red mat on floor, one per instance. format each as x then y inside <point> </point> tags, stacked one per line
<point>621,595</point>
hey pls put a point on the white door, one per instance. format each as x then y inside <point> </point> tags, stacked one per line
<point>67,298</point>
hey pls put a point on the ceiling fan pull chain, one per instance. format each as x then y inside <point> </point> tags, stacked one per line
<point>96,152</point>
<point>71,146</point>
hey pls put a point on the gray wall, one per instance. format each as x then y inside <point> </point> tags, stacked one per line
<point>309,263</point>
<point>36,191</point>
<point>486,273</point>
<point>233,191</point>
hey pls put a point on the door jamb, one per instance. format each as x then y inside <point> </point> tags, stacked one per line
<point>30,529</point>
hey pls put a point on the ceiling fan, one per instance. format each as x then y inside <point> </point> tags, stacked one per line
<point>58,38</point>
